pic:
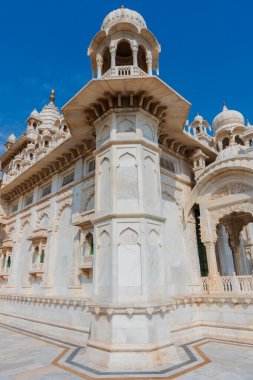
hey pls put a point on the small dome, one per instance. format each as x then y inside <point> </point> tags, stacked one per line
<point>198,118</point>
<point>227,117</point>
<point>231,151</point>
<point>12,138</point>
<point>122,15</point>
<point>34,113</point>
<point>49,113</point>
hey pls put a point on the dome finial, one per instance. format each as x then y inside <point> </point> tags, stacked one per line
<point>122,7</point>
<point>224,106</point>
<point>52,96</point>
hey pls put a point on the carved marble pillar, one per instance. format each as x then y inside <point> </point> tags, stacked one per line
<point>99,66</point>
<point>193,257</point>
<point>135,51</point>
<point>213,274</point>
<point>113,56</point>
<point>149,62</point>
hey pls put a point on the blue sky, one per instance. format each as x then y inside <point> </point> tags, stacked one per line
<point>206,52</point>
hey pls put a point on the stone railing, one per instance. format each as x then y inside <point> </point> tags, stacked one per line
<point>38,266</point>
<point>124,71</point>
<point>85,262</point>
<point>230,284</point>
<point>4,272</point>
<point>83,218</point>
<point>37,270</point>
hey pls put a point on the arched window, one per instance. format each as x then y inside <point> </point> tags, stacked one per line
<point>250,142</point>
<point>35,254</point>
<point>198,130</point>
<point>18,166</point>
<point>34,125</point>
<point>65,129</point>
<point>124,54</point>
<point>46,143</point>
<point>106,61</point>
<point>8,262</point>
<point>141,59</point>
<point>89,244</point>
<point>31,156</point>
<point>225,142</point>
<point>42,256</point>
<point>238,140</point>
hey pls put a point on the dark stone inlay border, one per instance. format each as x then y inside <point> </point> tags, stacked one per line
<point>164,371</point>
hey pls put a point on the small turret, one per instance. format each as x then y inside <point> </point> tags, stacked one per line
<point>200,127</point>
<point>10,141</point>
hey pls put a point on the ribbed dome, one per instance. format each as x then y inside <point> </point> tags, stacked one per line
<point>123,15</point>
<point>49,114</point>
<point>227,117</point>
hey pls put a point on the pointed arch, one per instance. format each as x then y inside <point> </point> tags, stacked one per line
<point>128,237</point>
<point>126,125</point>
<point>127,159</point>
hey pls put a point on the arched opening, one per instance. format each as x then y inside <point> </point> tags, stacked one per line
<point>106,60</point>
<point>35,254</point>
<point>18,166</point>
<point>141,59</point>
<point>31,156</point>
<point>46,143</point>
<point>89,244</point>
<point>238,140</point>
<point>34,125</point>
<point>65,129</point>
<point>124,54</point>
<point>8,262</point>
<point>250,143</point>
<point>197,130</point>
<point>42,256</point>
<point>201,246</point>
<point>231,253</point>
<point>225,142</point>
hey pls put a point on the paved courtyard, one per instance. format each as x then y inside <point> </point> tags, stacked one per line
<point>25,355</point>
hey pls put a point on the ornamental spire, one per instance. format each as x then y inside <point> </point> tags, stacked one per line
<point>224,107</point>
<point>52,96</point>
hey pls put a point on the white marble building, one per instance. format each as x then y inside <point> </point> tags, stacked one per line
<point>123,226</point>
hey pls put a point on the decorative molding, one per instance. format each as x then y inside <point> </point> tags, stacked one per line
<point>231,189</point>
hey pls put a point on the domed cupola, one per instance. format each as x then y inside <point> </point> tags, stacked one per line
<point>227,118</point>
<point>123,15</point>
<point>124,46</point>
<point>49,114</point>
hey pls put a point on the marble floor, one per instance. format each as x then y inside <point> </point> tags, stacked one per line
<point>25,355</point>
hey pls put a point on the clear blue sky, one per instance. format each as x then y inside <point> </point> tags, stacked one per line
<point>206,56</point>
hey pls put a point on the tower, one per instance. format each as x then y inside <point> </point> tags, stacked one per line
<point>125,107</point>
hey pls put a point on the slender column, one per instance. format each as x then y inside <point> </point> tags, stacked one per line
<point>135,51</point>
<point>149,65</point>
<point>213,274</point>
<point>113,56</point>
<point>211,259</point>
<point>99,66</point>
<point>238,260</point>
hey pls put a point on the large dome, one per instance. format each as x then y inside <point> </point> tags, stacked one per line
<point>227,117</point>
<point>122,15</point>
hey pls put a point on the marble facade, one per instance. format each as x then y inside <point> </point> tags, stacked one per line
<point>124,227</point>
